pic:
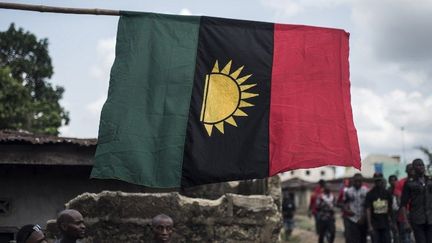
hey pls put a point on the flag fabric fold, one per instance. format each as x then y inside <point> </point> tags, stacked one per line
<point>196,100</point>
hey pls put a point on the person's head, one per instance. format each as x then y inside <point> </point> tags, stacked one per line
<point>378,180</point>
<point>326,189</point>
<point>71,224</point>
<point>322,183</point>
<point>357,180</point>
<point>30,233</point>
<point>409,169</point>
<point>419,167</point>
<point>162,227</point>
<point>392,179</point>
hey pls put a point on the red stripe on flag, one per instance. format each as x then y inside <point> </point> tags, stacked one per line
<point>311,120</point>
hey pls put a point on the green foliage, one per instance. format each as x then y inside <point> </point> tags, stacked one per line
<point>27,100</point>
<point>428,153</point>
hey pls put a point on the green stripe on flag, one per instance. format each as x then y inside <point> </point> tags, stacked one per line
<point>143,122</point>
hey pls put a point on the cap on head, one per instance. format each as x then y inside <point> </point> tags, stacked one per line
<point>25,232</point>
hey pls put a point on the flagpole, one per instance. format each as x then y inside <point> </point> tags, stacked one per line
<point>51,9</point>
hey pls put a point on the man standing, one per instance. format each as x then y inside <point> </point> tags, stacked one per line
<point>318,190</point>
<point>418,192</point>
<point>162,227</point>
<point>395,208</point>
<point>70,222</point>
<point>356,228</point>
<point>288,209</point>
<point>378,211</point>
<point>326,220</point>
<point>404,232</point>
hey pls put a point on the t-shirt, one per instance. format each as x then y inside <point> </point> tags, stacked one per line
<point>325,206</point>
<point>356,199</point>
<point>418,193</point>
<point>399,187</point>
<point>379,200</point>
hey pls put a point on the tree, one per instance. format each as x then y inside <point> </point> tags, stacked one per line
<point>428,153</point>
<point>27,100</point>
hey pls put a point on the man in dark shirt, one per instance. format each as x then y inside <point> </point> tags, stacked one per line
<point>418,192</point>
<point>288,209</point>
<point>395,207</point>
<point>378,211</point>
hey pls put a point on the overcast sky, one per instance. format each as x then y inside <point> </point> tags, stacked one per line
<point>390,57</point>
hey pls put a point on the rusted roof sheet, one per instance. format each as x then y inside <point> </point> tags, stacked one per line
<point>10,136</point>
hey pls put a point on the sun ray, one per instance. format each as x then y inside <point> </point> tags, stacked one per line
<point>245,104</point>
<point>243,79</point>
<point>231,121</point>
<point>246,87</point>
<point>209,128</point>
<point>246,95</point>
<point>224,97</point>
<point>227,68</point>
<point>216,67</point>
<point>237,72</point>
<point>239,112</point>
<point>220,126</point>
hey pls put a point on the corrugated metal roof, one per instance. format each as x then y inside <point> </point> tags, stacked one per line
<point>10,136</point>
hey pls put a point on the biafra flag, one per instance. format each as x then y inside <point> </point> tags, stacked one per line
<point>195,100</point>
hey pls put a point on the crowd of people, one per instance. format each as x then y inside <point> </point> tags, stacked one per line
<point>71,225</point>
<point>399,213</point>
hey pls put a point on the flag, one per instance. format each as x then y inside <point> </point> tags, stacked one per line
<point>196,100</point>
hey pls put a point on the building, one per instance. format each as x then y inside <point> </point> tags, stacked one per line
<point>311,175</point>
<point>387,165</point>
<point>38,174</point>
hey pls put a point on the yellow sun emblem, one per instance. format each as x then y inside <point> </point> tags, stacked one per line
<point>224,95</point>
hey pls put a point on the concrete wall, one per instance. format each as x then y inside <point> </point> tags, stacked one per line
<point>125,217</point>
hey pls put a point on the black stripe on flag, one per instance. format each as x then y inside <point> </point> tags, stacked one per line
<point>236,105</point>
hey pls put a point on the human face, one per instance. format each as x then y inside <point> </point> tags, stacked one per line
<point>163,229</point>
<point>75,228</point>
<point>392,181</point>
<point>37,236</point>
<point>419,168</point>
<point>379,182</point>
<point>410,171</point>
<point>357,183</point>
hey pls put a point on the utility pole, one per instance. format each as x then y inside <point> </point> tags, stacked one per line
<point>403,144</point>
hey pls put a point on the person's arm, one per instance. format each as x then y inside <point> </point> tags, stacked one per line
<point>405,198</point>
<point>369,219</point>
<point>390,213</point>
<point>311,205</point>
<point>368,206</point>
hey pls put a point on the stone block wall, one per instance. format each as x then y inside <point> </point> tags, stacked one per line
<point>126,217</point>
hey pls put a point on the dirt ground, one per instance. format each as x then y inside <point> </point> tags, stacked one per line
<point>304,230</point>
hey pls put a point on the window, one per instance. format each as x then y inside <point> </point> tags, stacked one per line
<point>323,173</point>
<point>308,172</point>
